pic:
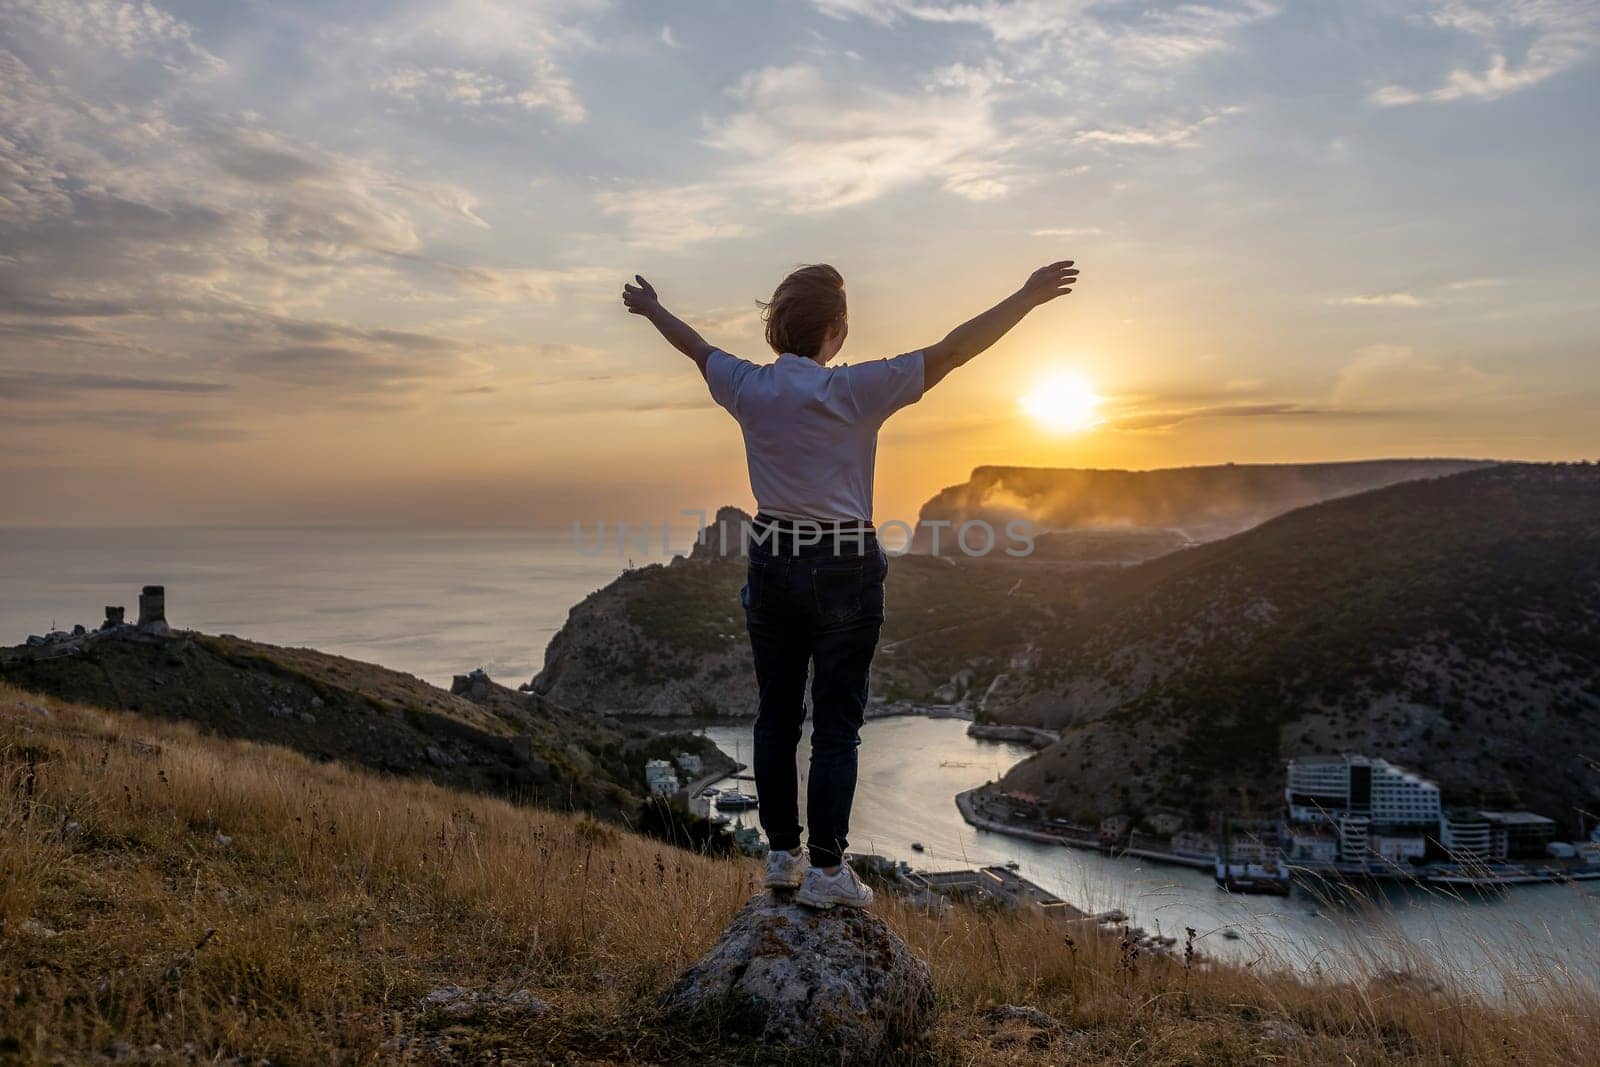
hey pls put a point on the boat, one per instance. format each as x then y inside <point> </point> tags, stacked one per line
<point>1013,865</point>
<point>1268,877</point>
<point>916,846</point>
<point>709,791</point>
<point>1231,934</point>
<point>733,800</point>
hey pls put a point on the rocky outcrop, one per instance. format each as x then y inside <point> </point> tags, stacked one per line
<point>724,538</point>
<point>838,983</point>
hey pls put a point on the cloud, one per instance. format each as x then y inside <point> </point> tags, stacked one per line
<point>1559,35</point>
<point>1162,420</point>
<point>186,427</point>
<point>473,53</point>
<point>811,143</point>
<point>665,216</point>
<point>141,225</point>
<point>477,89</point>
<point>1397,298</point>
<point>538,285</point>
<point>1405,298</point>
<point>1096,36</point>
<point>24,383</point>
<point>802,143</point>
<point>127,29</point>
<point>1379,376</point>
<point>1163,134</point>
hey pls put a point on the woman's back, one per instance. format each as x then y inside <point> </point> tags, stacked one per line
<point>811,432</point>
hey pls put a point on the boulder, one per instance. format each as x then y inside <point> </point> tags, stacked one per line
<point>838,983</point>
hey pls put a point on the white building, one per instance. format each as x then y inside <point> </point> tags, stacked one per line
<point>659,777</point>
<point>690,764</point>
<point>1355,834</point>
<point>1398,848</point>
<point>1321,788</point>
<point>1466,836</point>
<point>1311,846</point>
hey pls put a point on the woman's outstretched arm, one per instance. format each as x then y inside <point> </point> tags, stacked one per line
<point>641,299</point>
<point>971,337</point>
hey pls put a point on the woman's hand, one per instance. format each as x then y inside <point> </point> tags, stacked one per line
<point>641,299</point>
<point>1047,283</point>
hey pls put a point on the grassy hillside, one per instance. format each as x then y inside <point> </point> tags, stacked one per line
<point>171,897</point>
<point>330,707</point>
<point>1452,625</point>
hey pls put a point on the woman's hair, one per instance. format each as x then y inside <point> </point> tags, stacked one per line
<point>805,306</point>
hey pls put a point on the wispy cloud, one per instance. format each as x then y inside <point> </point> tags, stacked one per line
<point>1162,134</point>
<point>799,142</point>
<point>1167,419</point>
<point>1390,377</point>
<point>1398,298</point>
<point>20,384</point>
<point>1552,36</point>
<point>478,89</point>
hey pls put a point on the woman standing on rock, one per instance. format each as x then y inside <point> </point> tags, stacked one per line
<point>814,594</point>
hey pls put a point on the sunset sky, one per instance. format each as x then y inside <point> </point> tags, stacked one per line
<point>359,263</point>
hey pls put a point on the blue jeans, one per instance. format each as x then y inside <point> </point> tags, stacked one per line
<point>818,605</point>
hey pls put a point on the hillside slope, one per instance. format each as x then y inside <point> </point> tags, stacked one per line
<point>334,708</point>
<point>1451,625</point>
<point>1203,502</point>
<point>170,898</point>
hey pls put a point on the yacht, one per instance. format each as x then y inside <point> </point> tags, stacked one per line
<point>916,846</point>
<point>733,800</point>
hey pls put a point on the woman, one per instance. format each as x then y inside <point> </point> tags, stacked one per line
<point>814,594</point>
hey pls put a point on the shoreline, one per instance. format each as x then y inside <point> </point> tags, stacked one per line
<point>1034,737</point>
<point>965,805</point>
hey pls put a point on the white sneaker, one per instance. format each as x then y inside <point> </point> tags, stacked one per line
<point>785,869</point>
<point>842,888</point>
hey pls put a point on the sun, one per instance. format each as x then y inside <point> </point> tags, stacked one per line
<point>1064,403</point>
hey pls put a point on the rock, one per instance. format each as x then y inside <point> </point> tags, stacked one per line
<point>438,756</point>
<point>35,928</point>
<point>459,1002</point>
<point>838,981</point>
<point>1025,1013</point>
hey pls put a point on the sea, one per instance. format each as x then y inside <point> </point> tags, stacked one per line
<point>439,603</point>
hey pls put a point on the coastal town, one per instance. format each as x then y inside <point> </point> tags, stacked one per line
<point>1347,817</point>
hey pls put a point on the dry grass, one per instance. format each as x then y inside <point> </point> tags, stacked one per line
<point>338,898</point>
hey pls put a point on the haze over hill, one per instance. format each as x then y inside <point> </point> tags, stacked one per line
<point>1204,503</point>
<point>1451,625</point>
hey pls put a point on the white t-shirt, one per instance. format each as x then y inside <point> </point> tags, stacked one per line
<point>811,432</point>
